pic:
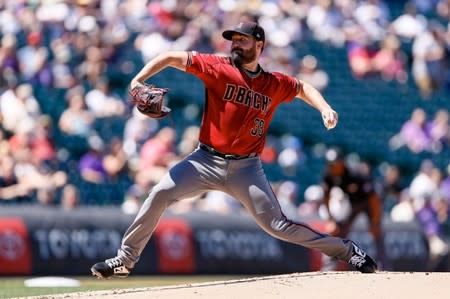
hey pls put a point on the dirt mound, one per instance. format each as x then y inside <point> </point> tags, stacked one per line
<point>317,285</point>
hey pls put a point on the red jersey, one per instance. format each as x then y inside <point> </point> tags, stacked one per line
<point>238,106</point>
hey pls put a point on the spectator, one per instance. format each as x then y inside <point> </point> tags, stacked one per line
<point>287,195</point>
<point>291,154</point>
<point>313,206</point>
<point>438,130</point>
<point>158,151</point>
<point>20,141</point>
<point>349,194</point>
<point>115,159</point>
<point>38,176</point>
<point>215,202</point>
<point>20,176</point>
<point>443,9</point>
<point>310,72</point>
<point>325,21</point>
<point>62,73</point>
<point>359,52</point>
<point>133,200</point>
<point>408,25</point>
<point>9,23</point>
<point>11,189</point>
<point>373,17</point>
<point>138,128</point>
<point>19,108</point>
<point>390,61</point>
<point>102,102</point>
<point>41,143</point>
<point>281,57</point>
<point>91,163</point>
<point>8,54</point>
<point>33,60</point>
<point>403,211</point>
<point>150,44</point>
<point>413,134</point>
<point>389,186</point>
<point>76,120</point>
<point>155,156</point>
<point>94,64</point>
<point>189,140</point>
<point>428,64</point>
<point>425,196</point>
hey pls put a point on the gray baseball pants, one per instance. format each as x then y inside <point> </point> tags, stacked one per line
<point>244,180</point>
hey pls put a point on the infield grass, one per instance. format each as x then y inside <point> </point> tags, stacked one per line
<point>13,287</point>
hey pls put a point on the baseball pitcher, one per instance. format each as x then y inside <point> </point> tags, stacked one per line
<point>241,99</point>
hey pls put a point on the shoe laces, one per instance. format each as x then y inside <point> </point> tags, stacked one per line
<point>114,262</point>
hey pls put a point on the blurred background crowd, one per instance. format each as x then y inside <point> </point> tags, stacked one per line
<point>68,136</point>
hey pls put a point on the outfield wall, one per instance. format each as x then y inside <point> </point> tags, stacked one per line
<point>50,241</point>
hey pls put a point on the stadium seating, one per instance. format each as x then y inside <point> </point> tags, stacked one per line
<point>371,112</point>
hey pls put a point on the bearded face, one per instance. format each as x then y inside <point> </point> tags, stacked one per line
<point>241,55</point>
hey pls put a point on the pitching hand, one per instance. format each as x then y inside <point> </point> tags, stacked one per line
<point>330,118</point>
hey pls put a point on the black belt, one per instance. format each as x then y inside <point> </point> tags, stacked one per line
<point>224,156</point>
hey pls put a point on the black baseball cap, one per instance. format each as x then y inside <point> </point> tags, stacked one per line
<point>246,28</point>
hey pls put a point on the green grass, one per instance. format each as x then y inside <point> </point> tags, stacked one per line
<point>14,286</point>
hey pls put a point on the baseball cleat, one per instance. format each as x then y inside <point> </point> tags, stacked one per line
<point>361,260</point>
<point>110,268</point>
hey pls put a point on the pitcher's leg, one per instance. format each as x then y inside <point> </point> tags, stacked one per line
<point>184,180</point>
<point>274,222</point>
<point>143,226</point>
<point>250,186</point>
<point>195,174</point>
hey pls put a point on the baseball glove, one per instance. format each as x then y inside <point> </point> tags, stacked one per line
<point>149,100</point>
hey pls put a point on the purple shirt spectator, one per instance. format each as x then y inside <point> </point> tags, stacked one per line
<point>91,164</point>
<point>429,220</point>
<point>413,133</point>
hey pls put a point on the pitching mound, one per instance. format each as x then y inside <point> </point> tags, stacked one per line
<point>317,285</point>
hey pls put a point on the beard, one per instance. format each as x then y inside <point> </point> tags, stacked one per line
<point>241,56</point>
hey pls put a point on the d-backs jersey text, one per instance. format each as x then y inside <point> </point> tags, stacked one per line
<point>239,106</point>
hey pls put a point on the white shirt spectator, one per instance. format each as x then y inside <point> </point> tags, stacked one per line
<point>409,26</point>
<point>19,108</point>
<point>103,103</point>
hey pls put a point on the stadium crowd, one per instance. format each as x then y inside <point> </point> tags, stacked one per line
<point>65,68</point>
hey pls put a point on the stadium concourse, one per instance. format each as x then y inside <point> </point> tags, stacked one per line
<point>69,138</point>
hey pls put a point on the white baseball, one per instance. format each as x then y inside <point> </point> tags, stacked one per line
<point>330,119</point>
